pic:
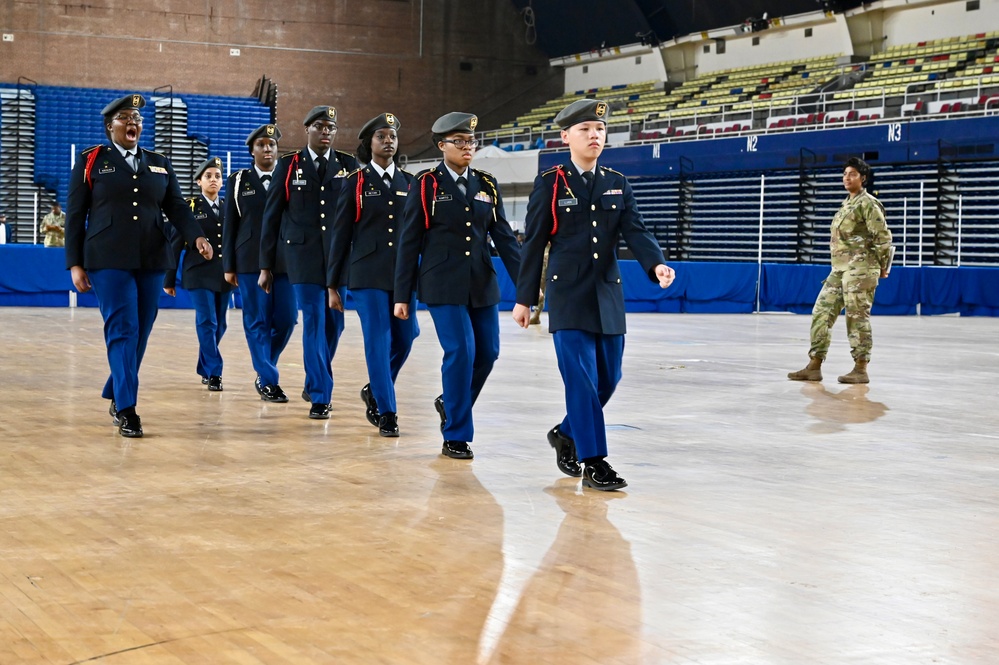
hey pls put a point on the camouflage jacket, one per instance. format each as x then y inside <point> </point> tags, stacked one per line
<point>859,235</point>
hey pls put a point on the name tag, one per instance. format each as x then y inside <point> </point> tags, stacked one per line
<point>373,192</point>
<point>107,169</point>
<point>568,202</point>
<point>298,183</point>
<point>201,216</point>
<point>249,192</point>
<point>443,197</point>
<point>402,193</point>
<point>612,192</point>
<point>482,196</point>
<point>158,169</point>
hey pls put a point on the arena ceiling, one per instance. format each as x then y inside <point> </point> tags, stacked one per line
<point>566,27</point>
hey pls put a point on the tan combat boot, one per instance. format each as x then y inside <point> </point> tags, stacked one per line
<point>858,374</point>
<point>812,371</point>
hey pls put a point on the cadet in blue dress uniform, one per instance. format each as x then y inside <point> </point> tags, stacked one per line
<point>362,256</point>
<point>444,246</point>
<point>582,210</point>
<point>204,278</point>
<point>298,222</point>
<point>117,243</point>
<point>268,318</point>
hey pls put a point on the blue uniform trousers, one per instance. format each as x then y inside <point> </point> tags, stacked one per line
<point>129,301</point>
<point>321,330</point>
<point>387,341</point>
<point>590,365</point>
<point>470,339</point>
<point>268,321</point>
<point>210,309</point>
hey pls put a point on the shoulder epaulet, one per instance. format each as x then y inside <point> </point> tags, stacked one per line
<point>405,172</point>
<point>345,154</point>
<point>92,148</point>
<point>355,171</point>
<point>485,173</point>
<point>153,152</point>
<point>289,154</point>
<point>607,168</point>
<point>424,173</point>
<point>553,169</point>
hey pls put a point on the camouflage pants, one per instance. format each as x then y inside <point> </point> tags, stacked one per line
<point>852,290</point>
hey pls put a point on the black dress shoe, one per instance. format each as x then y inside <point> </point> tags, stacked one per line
<point>204,380</point>
<point>456,450</point>
<point>388,424</point>
<point>215,384</point>
<point>320,411</point>
<point>306,396</point>
<point>113,411</point>
<point>439,405</point>
<point>600,476</point>
<point>371,412</point>
<point>258,386</point>
<point>272,393</point>
<point>130,425</point>
<point>565,453</point>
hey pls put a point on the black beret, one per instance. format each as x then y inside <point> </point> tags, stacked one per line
<point>135,101</point>
<point>317,112</point>
<point>266,131</point>
<point>455,122</point>
<point>385,120</point>
<point>582,110</point>
<point>210,163</point>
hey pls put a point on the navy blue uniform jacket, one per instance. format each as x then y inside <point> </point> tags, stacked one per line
<point>199,272</point>
<point>583,288</point>
<point>367,229</point>
<point>444,244</point>
<point>244,214</point>
<point>298,218</point>
<point>114,217</point>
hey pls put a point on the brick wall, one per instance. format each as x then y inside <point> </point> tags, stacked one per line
<point>362,56</point>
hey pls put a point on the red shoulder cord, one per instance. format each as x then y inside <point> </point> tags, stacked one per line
<point>287,178</point>
<point>91,159</point>
<point>423,197</point>
<point>360,197</point>
<point>559,173</point>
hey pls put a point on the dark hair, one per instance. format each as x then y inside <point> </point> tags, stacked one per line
<point>109,119</point>
<point>863,168</point>
<point>364,150</point>
<point>437,138</point>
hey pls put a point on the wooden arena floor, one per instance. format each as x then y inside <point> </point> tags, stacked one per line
<point>766,522</point>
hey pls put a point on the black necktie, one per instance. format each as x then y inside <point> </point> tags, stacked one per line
<point>130,160</point>
<point>215,209</point>
<point>387,178</point>
<point>322,168</point>
<point>266,180</point>
<point>588,177</point>
<point>463,185</point>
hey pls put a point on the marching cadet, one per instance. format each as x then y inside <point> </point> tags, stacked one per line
<point>298,218</point>
<point>268,318</point>
<point>203,278</point>
<point>581,210</point>
<point>117,244</point>
<point>449,214</point>
<point>362,256</point>
<point>860,252</point>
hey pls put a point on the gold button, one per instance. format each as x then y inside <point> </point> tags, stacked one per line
<point>288,241</point>
<point>594,239</point>
<point>322,215</point>
<point>390,244</point>
<point>593,207</point>
<point>466,208</point>
<point>468,253</point>
<point>554,277</point>
<point>324,228</point>
<point>391,216</point>
<point>391,202</point>
<point>468,239</point>
<point>135,203</point>
<point>136,217</point>
<point>618,280</point>
<point>614,206</point>
<point>220,235</point>
<point>567,210</point>
<point>135,177</point>
<point>594,222</point>
<point>596,256</point>
<point>322,203</point>
<point>468,223</point>
<point>322,189</point>
<point>136,189</point>
<point>390,230</point>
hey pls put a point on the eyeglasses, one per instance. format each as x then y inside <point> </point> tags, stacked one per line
<point>133,118</point>
<point>324,129</point>
<point>462,143</point>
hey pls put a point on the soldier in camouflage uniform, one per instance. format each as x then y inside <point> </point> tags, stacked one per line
<point>859,246</point>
